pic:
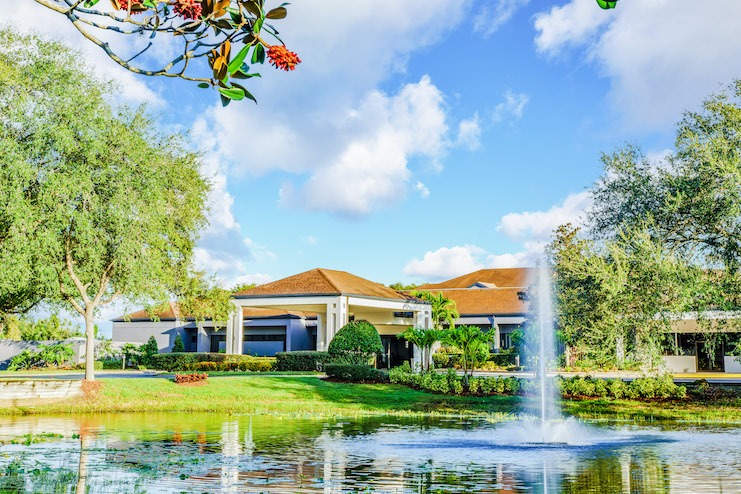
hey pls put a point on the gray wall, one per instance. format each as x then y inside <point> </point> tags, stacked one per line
<point>138,332</point>
<point>298,337</point>
<point>11,348</point>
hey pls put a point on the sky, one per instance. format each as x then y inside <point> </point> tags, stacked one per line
<point>424,139</point>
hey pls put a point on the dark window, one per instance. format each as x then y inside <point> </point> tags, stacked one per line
<point>404,315</point>
<point>194,339</point>
<point>265,337</point>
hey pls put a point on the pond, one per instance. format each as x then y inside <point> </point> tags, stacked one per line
<point>214,453</point>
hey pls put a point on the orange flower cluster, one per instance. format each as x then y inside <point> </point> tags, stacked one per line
<point>283,58</point>
<point>189,9</point>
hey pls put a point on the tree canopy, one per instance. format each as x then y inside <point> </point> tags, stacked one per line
<point>662,238</point>
<point>111,205</point>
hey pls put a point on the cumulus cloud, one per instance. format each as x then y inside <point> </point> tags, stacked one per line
<point>424,192</point>
<point>446,262</point>
<point>347,147</point>
<point>494,14</point>
<point>469,133</point>
<point>511,108</point>
<point>660,57</point>
<point>371,171</point>
<point>532,229</point>
<point>538,225</point>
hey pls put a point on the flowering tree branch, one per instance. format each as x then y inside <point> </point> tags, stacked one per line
<point>228,35</point>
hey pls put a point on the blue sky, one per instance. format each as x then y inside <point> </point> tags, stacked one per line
<point>423,139</point>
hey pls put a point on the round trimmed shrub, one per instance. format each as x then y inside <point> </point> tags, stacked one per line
<point>355,343</point>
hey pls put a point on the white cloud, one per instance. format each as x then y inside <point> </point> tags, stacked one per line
<point>571,24</point>
<point>310,240</point>
<point>446,262</point>
<point>328,121</point>
<point>532,229</point>
<point>511,108</point>
<point>660,56</point>
<point>256,278</point>
<point>538,225</point>
<point>491,17</point>
<point>469,133</point>
<point>371,170</point>
<point>260,253</point>
<point>424,192</point>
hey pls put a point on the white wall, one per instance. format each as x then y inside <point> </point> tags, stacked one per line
<point>681,363</point>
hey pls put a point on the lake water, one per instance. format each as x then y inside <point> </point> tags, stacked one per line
<point>213,453</point>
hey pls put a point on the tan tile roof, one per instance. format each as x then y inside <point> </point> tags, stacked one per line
<point>497,301</point>
<point>325,282</point>
<point>501,278</point>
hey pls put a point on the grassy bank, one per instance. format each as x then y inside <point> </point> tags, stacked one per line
<point>310,396</point>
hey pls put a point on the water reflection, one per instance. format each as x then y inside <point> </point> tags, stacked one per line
<point>207,453</point>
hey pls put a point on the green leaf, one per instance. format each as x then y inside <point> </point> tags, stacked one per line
<point>258,56</point>
<point>225,101</point>
<point>607,4</point>
<point>244,75</point>
<point>253,8</point>
<point>90,3</point>
<point>277,13</point>
<point>235,93</point>
<point>150,4</point>
<point>236,63</point>
<point>258,25</point>
<point>246,93</point>
<point>204,85</point>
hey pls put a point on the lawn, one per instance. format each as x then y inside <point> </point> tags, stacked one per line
<point>313,397</point>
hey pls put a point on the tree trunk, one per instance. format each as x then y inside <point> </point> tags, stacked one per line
<point>89,346</point>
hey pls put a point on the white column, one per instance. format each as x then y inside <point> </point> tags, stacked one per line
<point>343,313</point>
<point>229,333</point>
<point>239,331</point>
<point>321,332</point>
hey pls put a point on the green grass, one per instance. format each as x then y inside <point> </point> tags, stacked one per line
<point>270,395</point>
<point>313,397</point>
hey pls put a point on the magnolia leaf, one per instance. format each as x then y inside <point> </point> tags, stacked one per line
<point>237,62</point>
<point>252,8</point>
<point>258,25</point>
<point>246,93</point>
<point>235,93</point>
<point>204,85</point>
<point>277,13</point>
<point>90,3</point>
<point>258,56</point>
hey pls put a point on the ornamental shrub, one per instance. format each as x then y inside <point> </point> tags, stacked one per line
<point>148,350</point>
<point>190,378</point>
<point>178,346</point>
<point>355,373</point>
<point>44,356</point>
<point>301,360</point>
<point>356,343</point>
<point>213,362</point>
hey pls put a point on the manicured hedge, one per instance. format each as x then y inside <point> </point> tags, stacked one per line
<point>451,383</point>
<point>641,388</point>
<point>354,373</point>
<point>450,360</point>
<point>301,360</point>
<point>170,362</point>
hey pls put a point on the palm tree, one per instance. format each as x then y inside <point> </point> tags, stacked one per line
<point>443,308</point>
<point>423,339</point>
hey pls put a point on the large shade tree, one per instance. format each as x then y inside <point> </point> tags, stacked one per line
<point>111,205</point>
<point>661,239</point>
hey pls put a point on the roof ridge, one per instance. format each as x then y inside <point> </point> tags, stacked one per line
<point>328,280</point>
